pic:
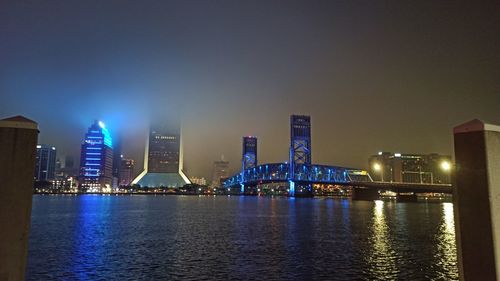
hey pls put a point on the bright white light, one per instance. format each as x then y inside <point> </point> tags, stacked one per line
<point>101,124</point>
<point>445,165</point>
<point>377,167</point>
<point>397,154</point>
<point>380,153</point>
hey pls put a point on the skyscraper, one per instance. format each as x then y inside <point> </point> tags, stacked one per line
<point>117,160</point>
<point>163,158</point>
<point>45,164</point>
<point>126,171</point>
<point>220,172</point>
<point>69,162</point>
<point>68,167</point>
<point>249,158</point>
<point>96,161</point>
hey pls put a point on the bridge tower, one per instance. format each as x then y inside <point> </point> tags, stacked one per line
<point>300,149</point>
<point>249,157</point>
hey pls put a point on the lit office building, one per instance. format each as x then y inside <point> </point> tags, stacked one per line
<point>96,160</point>
<point>410,168</point>
<point>45,164</point>
<point>220,172</point>
<point>163,160</point>
<point>126,171</point>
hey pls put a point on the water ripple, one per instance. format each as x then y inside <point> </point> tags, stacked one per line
<point>240,238</point>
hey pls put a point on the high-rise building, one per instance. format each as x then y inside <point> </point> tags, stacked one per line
<point>45,164</point>
<point>126,171</point>
<point>249,157</point>
<point>410,168</point>
<point>117,161</point>
<point>163,158</point>
<point>96,160</point>
<point>69,162</point>
<point>68,168</point>
<point>220,172</point>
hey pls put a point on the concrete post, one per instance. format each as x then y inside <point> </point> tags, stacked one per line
<point>18,139</point>
<point>477,200</point>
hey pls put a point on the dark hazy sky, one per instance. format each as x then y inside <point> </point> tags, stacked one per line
<point>373,75</point>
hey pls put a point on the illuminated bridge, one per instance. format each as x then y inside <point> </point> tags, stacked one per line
<point>299,174</point>
<point>305,174</point>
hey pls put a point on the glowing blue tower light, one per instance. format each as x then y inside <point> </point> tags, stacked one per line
<point>107,137</point>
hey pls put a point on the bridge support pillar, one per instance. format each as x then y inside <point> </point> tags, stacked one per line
<point>406,197</point>
<point>365,194</point>
<point>18,139</point>
<point>476,200</point>
<point>291,188</point>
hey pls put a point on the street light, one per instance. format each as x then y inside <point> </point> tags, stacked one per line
<point>378,168</point>
<point>446,166</point>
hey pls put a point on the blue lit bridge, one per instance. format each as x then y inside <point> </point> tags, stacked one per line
<point>298,174</point>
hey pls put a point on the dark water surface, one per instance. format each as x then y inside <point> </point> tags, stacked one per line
<point>251,238</point>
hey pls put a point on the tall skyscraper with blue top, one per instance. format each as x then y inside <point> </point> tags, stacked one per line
<point>96,160</point>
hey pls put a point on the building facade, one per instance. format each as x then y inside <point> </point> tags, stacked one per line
<point>300,145</point>
<point>410,168</point>
<point>249,157</point>
<point>117,161</point>
<point>220,172</point>
<point>126,171</point>
<point>163,162</point>
<point>96,159</point>
<point>45,165</point>
<point>198,181</point>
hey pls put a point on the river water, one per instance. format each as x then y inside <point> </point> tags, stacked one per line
<point>148,237</point>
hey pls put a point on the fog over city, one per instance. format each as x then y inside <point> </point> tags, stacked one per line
<point>372,77</point>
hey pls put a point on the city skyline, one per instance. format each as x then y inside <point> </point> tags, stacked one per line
<point>364,72</point>
<point>256,140</point>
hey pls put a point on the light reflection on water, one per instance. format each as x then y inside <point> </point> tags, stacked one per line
<point>446,253</point>
<point>226,238</point>
<point>382,259</point>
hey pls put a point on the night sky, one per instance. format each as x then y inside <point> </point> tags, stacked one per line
<point>373,75</point>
